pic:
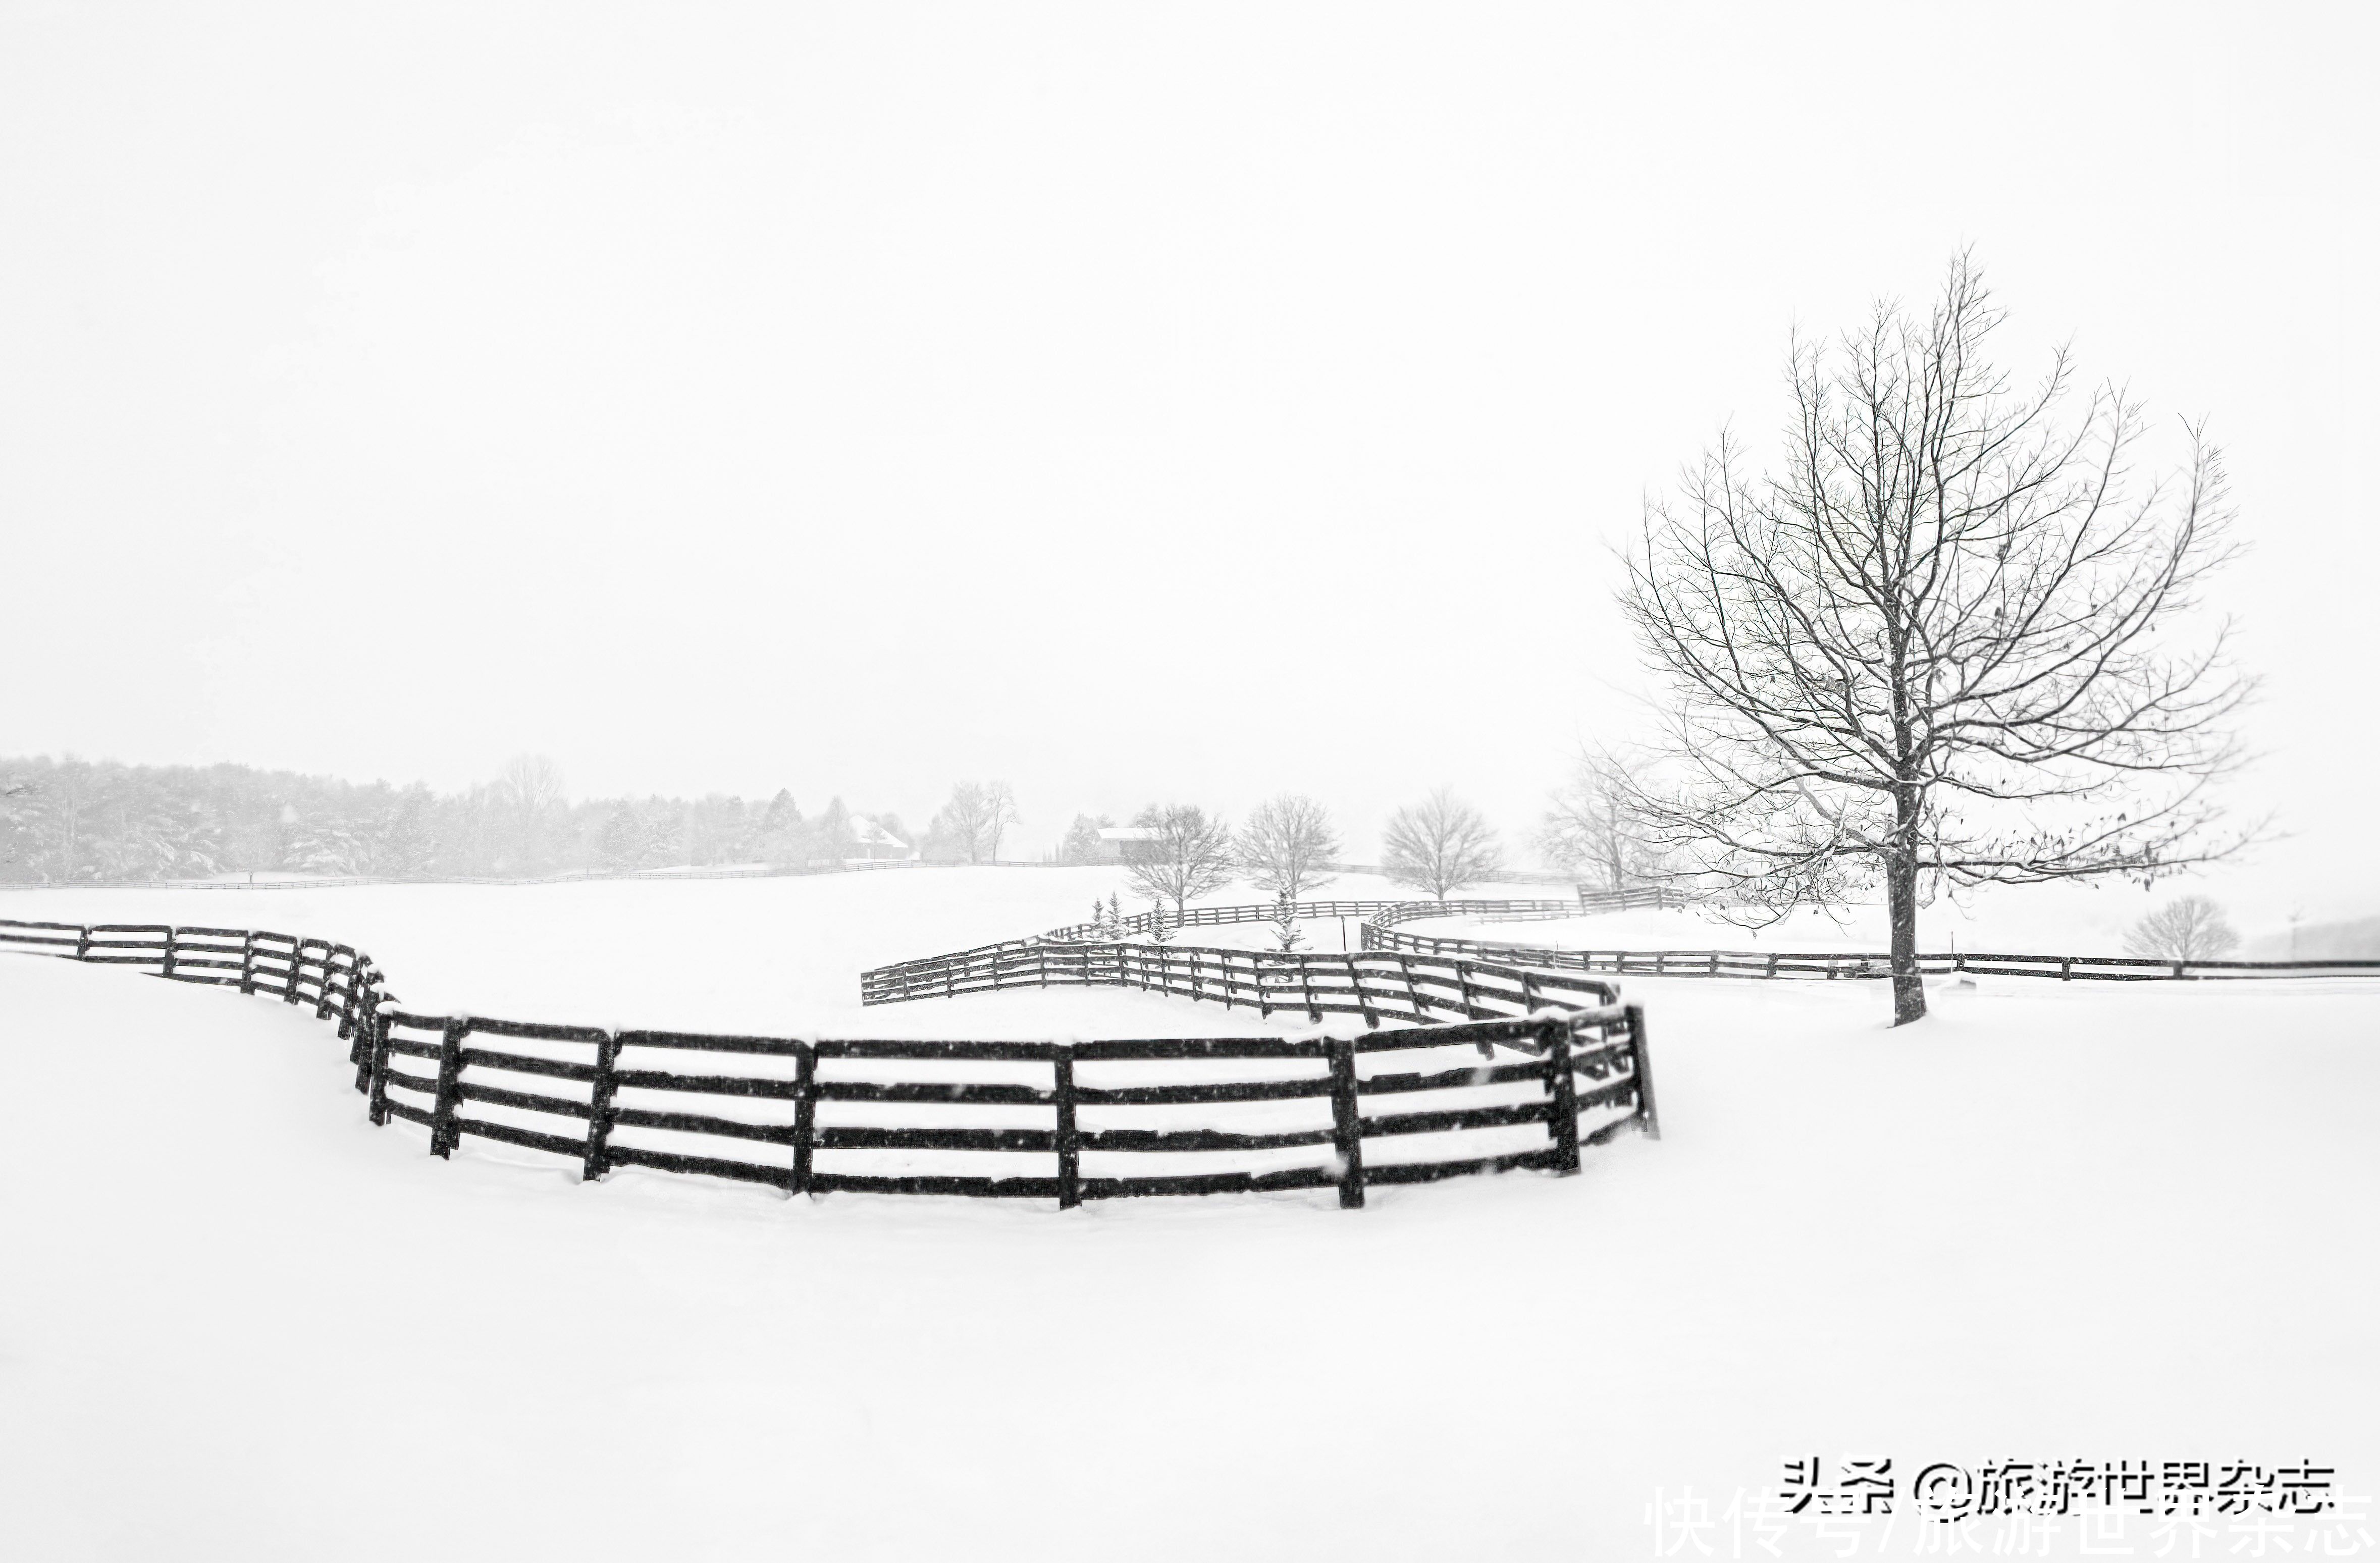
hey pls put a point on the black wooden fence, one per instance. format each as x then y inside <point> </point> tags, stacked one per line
<point>1391,985</point>
<point>826,1116</point>
<point>1552,1065</point>
<point>1265,911</point>
<point>338,981</point>
<point>1380,935</point>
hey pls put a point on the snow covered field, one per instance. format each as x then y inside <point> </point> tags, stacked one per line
<point>237,1323</point>
<point>778,956</point>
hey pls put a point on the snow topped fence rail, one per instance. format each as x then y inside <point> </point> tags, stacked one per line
<point>1380,933</point>
<point>1559,1065</point>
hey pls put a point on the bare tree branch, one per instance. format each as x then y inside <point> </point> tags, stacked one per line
<point>1937,645</point>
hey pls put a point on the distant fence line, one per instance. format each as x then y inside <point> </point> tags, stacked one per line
<point>1379,913</point>
<point>1378,934</point>
<point>1560,1066</point>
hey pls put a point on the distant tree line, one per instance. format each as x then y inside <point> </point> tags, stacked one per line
<point>78,821</point>
<point>68,821</point>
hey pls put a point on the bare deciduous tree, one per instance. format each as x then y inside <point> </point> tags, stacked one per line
<point>1189,855</point>
<point>1589,828</point>
<point>978,813</point>
<point>2190,928</point>
<point>1284,844</point>
<point>1441,845</point>
<point>1933,648</point>
<point>529,803</point>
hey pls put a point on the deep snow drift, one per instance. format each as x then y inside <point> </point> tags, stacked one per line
<point>2052,1222</point>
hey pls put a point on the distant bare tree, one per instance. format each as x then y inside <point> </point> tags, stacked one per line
<point>1284,844</point>
<point>976,815</point>
<point>528,801</point>
<point>1189,855</point>
<point>1588,826</point>
<point>1000,813</point>
<point>1441,845</point>
<point>2190,928</point>
<point>1931,647</point>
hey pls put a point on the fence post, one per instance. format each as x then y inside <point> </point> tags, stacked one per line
<point>1306,985</point>
<point>169,954</point>
<point>449,1079</point>
<point>248,963</point>
<point>322,994</point>
<point>379,1113</point>
<point>805,1114</point>
<point>359,984</point>
<point>296,960</point>
<point>1363,999</point>
<point>82,942</point>
<point>599,1109</point>
<point>347,1002</point>
<point>1412,989</point>
<point>1648,1117</point>
<point>1069,1141</point>
<point>1346,1125</point>
<point>365,1030</point>
<point>1561,1087</point>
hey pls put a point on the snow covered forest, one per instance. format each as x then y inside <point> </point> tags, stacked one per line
<point>76,821</point>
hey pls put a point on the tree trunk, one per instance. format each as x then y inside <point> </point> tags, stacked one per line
<point>1900,898</point>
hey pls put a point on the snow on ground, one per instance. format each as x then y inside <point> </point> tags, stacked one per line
<point>779,956</point>
<point>2053,1221</point>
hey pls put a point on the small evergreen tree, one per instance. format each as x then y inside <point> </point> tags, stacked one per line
<point>1082,843</point>
<point>1284,922</point>
<point>1159,929</point>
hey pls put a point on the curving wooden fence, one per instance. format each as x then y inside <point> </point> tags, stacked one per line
<point>1539,1066</point>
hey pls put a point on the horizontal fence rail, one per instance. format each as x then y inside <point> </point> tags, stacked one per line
<point>1143,924</point>
<point>1832,966</point>
<point>1535,1067</point>
<point>1391,985</point>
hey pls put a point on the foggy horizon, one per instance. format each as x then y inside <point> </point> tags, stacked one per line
<point>1136,409</point>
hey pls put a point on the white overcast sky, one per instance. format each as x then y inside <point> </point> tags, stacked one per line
<point>1131,401</point>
